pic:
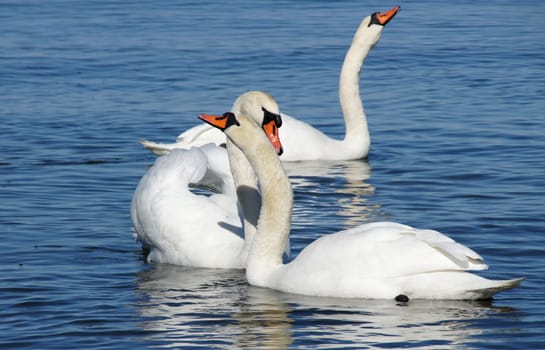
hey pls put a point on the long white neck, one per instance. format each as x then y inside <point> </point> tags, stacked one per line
<point>277,200</point>
<point>357,131</point>
<point>247,191</point>
<point>274,222</point>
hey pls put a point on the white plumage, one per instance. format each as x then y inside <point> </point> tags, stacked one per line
<point>375,260</point>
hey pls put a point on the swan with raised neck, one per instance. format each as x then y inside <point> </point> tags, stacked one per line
<point>301,140</point>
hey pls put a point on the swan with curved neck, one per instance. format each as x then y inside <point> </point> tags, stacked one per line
<point>177,226</point>
<point>378,260</point>
<point>301,140</point>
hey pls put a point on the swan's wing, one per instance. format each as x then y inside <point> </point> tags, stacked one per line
<point>159,149</point>
<point>195,137</point>
<point>462,255</point>
<point>388,249</point>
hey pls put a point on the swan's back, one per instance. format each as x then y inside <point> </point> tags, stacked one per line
<point>381,259</point>
<point>170,173</point>
<point>182,227</point>
<point>180,167</point>
<point>388,249</point>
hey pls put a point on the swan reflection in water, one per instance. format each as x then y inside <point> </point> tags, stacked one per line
<point>186,306</point>
<point>183,307</point>
<point>317,183</point>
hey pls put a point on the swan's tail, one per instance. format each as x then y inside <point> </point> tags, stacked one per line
<point>501,285</point>
<point>454,285</point>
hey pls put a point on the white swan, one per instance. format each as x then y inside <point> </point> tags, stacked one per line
<point>302,141</point>
<point>375,260</point>
<point>178,226</point>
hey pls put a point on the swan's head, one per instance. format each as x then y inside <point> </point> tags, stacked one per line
<point>256,104</point>
<point>371,27</point>
<point>244,129</point>
<point>382,18</point>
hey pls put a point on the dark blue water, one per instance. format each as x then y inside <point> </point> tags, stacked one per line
<point>454,93</point>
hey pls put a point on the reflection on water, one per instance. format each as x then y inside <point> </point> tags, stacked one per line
<point>263,319</point>
<point>346,182</point>
<point>216,308</point>
<point>193,306</point>
<point>383,323</point>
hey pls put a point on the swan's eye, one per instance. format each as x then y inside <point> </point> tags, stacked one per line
<point>269,117</point>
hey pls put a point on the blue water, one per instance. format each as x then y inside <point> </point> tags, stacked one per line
<point>454,93</point>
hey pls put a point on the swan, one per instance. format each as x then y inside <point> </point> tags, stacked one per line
<point>178,226</point>
<point>380,260</point>
<point>302,141</point>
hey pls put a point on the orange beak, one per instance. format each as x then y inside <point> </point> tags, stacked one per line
<point>219,121</point>
<point>271,130</point>
<point>385,17</point>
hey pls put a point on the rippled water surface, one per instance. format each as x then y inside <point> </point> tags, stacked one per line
<point>454,95</point>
